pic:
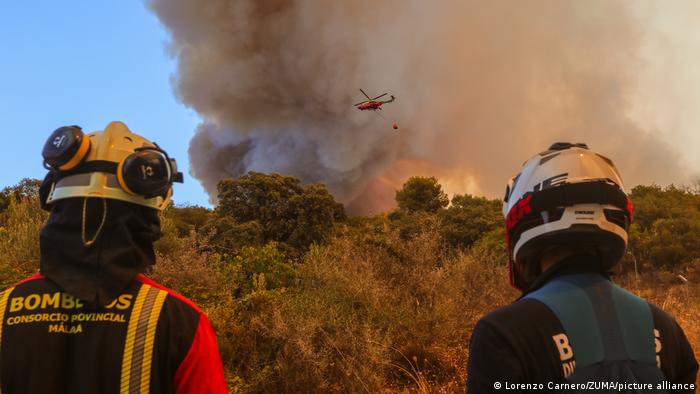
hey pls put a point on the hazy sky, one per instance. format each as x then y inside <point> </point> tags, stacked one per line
<point>87,63</point>
<point>668,96</point>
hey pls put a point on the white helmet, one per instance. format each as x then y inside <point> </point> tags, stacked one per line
<point>566,195</point>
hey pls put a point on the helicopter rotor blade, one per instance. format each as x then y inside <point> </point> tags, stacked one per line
<point>361,102</point>
<point>380,96</point>
<point>363,92</point>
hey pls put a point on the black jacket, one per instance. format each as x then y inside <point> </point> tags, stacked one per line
<point>149,340</point>
<point>515,344</point>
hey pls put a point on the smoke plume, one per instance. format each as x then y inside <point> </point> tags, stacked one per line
<point>481,86</point>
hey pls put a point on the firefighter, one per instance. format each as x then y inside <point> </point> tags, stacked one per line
<point>567,224</point>
<point>90,321</point>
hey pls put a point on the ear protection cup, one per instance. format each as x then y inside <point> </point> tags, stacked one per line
<point>66,148</point>
<point>146,172</point>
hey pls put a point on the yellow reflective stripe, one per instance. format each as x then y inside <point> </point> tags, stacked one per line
<point>150,339</point>
<point>130,335</point>
<point>140,337</point>
<point>3,305</point>
<point>139,342</point>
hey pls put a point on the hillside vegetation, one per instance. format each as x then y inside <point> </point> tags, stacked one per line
<point>306,299</point>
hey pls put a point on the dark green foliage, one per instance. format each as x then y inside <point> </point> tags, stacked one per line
<point>229,236</point>
<point>670,242</point>
<point>312,215</point>
<point>257,196</point>
<point>421,194</point>
<point>468,219</point>
<point>273,207</point>
<point>490,249</point>
<point>666,227</point>
<point>411,223</point>
<point>189,218</point>
<point>654,202</point>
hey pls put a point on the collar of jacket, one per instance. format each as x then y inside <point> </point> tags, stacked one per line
<point>576,264</point>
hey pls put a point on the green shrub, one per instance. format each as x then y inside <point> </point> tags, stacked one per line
<point>490,249</point>
<point>468,218</point>
<point>273,207</point>
<point>421,194</point>
<point>666,227</point>
<point>188,218</point>
<point>264,268</point>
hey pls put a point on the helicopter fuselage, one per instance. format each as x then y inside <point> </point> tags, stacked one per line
<point>372,105</point>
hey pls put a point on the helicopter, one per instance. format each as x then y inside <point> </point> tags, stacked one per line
<point>372,103</point>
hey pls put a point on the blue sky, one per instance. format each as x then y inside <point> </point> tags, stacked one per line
<point>87,63</point>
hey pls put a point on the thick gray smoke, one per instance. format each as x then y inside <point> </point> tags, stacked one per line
<point>480,85</point>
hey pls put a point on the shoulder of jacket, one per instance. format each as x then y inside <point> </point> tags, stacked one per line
<point>146,280</point>
<point>37,279</point>
<point>524,312</point>
<point>34,277</point>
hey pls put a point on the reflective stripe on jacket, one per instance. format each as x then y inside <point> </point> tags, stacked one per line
<point>148,340</point>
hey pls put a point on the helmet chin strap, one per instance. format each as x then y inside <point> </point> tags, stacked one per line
<point>88,243</point>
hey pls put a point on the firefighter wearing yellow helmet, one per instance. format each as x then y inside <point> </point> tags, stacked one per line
<point>114,163</point>
<point>90,321</point>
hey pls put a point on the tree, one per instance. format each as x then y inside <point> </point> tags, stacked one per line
<point>186,218</point>
<point>26,188</point>
<point>228,236</point>
<point>279,208</point>
<point>316,210</point>
<point>670,242</point>
<point>666,226</point>
<point>468,219</point>
<point>421,194</point>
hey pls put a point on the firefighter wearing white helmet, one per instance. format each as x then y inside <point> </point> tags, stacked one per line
<point>567,220</point>
<point>566,195</point>
<point>91,321</point>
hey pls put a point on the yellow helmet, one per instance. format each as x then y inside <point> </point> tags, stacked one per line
<point>114,163</point>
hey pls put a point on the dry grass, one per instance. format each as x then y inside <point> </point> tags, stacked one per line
<point>19,240</point>
<point>680,299</point>
<point>367,312</point>
<point>394,317</point>
<point>371,313</point>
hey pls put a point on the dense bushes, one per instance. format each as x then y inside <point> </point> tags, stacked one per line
<point>259,208</point>
<point>666,230</point>
<point>304,300</point>
<point>20,224</point>
<point>468,218</point>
